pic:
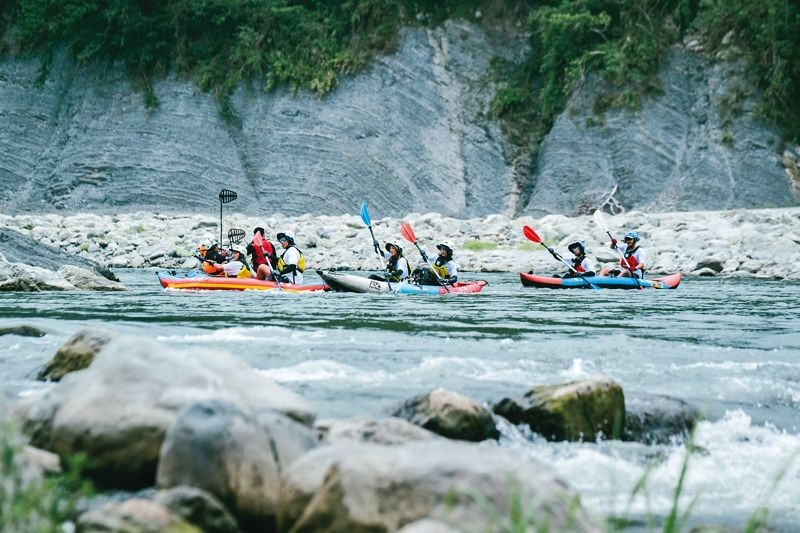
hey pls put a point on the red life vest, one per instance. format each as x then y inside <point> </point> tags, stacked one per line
<point>629,259</point>
<point>262,249</point>
<point>577,263</point>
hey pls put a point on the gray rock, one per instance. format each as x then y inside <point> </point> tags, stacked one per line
<point>19,277</point>
<point>86,280</point>
<point>76,353</point>
<point>451,415</point>
<point>414,118</point>
<point>705,272</point>
<point>367,487</point>
<point>199,508</point>
<point>18,248</point>
<point>118,410</point>
<point>23,331</point>
<point>388,431</point>
<point>712,264</point>
<point>236,455</point>
<point>672,155</point>
<point>657,419</point>
<point>132,516</point>
<point>578,410</point>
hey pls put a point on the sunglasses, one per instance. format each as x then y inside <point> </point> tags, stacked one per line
<point>283,239</point>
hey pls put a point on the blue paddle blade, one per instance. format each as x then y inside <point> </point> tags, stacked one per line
<point>365,214</point>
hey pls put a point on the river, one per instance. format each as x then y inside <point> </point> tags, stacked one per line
<point>729,347</point>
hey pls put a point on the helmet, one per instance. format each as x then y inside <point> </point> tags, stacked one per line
<point>399,249</point>
<point>239,248</point>
<point>577,244</point>
<point>208,241</point>
<point>633,235</point>
<point>289,235</point>
<point>446,244</point>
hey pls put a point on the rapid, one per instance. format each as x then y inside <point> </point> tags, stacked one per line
<point>730,347</point>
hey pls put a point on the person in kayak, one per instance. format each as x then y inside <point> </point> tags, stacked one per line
<point>264,257</point>
<point>444,266</point>
<point>634,262</point>
<point>397,265</point>
<point>292,262</point>
<point>237,267</point>
<point>581,262</point>
<point>210,253</point>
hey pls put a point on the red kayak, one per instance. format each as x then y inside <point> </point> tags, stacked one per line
<point>199,281</point>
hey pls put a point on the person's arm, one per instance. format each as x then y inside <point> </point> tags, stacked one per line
<point>588,266</point>
<point>290,259</point>
<point>452,271</point>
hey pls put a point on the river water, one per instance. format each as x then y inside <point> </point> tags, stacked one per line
<point>729,347</point>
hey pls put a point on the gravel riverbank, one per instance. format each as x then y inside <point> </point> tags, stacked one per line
<point>763,243</point>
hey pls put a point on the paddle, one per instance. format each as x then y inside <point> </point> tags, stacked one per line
<point>258,241</point>
<point>368,222</point>
<point>408,234</point>
<point>533,236</point>
<point>601,221</point>
<point>226,196</point>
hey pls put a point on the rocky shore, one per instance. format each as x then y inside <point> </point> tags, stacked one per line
<point>762,243</point>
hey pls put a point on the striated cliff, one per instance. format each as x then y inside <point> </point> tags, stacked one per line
<point>410,134</point>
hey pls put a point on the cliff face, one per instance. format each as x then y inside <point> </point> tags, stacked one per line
<point>697,146</point>
<point>410,134</point>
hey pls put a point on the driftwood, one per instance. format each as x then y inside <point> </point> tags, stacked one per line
<point>607,203</point>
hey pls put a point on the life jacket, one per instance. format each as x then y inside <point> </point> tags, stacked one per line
<point>208,268</point>
<point>244,272</point>
<point>629,261</point>
<point>216,270</point>
<point>577,263</point>
<point>263,252</point>
<point>301,263</point>
<point>391,265</point>
<point>440,267</point>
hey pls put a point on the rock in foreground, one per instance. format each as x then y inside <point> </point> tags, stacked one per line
<point>118,410</point>
<point>451,415</point>
<point>368,487</point>
<point>579,410</point>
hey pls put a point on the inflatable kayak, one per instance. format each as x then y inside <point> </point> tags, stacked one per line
<point>604,282</point>
<point>350,283</point>
<point>201,281</point>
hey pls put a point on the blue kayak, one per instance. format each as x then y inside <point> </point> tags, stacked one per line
<point>604,282</point>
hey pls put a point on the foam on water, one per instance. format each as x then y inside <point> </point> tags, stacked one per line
<point>735,467</point>
<point>322,370</point>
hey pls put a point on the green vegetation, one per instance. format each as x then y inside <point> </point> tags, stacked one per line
<point>28,503</point>
<point>479,246</point>
<point>310,44</point>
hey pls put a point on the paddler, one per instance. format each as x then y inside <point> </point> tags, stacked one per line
<point>292,262</point>
<point>397,266</point>
<point>263,253</point>
<point>633,260</point>
<point>210,253</point>
<point>444,266</point>
<point>237,267</point>
<point>581,262</point>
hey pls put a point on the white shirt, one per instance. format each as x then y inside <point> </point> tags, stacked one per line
<point>402,264</point>
<point>232,268</point>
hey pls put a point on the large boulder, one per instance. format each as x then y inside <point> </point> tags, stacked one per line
<point>657,419</point>
<point>199,508</point>
<point>19,248</point>
<point>87,280</point>
<point>22,277</point>
<point>579,410</point>
<point>451,415</point>
<point>132,516</point>
<point>368,487</point>
<point>118,410</point>
<point>236,455</point>
<point>76,353</point>
<point>389,431</point>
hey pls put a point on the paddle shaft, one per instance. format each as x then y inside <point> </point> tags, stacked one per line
<point>380,256</point>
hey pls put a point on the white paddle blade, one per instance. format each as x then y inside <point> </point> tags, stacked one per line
<point>600,220</point>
